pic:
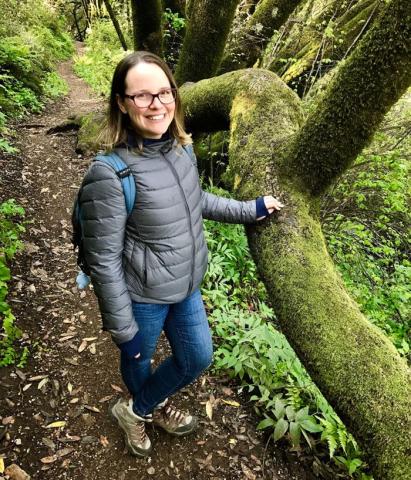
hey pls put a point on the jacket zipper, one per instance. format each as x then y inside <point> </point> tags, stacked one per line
<point>174,172</point>
<point>145,265</point>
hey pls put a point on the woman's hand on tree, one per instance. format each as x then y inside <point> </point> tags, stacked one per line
<point>271,204</point>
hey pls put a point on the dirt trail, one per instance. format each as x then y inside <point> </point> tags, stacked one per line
<point>72,374</point>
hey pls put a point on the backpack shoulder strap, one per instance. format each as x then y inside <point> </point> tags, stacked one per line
<point>125,175</point>
<point>188,148</point>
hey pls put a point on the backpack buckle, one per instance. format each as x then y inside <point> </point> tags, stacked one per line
<point>123,173</point>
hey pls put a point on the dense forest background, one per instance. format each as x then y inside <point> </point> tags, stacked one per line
<point>364,212</point>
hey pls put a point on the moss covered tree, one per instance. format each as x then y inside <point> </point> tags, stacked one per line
<point>247,44</point>
<point>205,38</point>
<point>309,47</point>
<point>146,16</point>
<point>273,149</point>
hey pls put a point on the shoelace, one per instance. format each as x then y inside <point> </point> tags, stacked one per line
<point>170,412</point>
<point>139,432</point>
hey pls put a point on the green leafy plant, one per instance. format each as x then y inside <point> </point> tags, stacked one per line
<point>251,348</point>
<point>366,222</point>
<point>32,39</point>
<point>102,54</point>
<point>10,230</point>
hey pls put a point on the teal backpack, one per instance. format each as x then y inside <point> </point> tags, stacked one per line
<point>126,178</point>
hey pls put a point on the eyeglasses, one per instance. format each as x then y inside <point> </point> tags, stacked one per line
<point>145,99</point>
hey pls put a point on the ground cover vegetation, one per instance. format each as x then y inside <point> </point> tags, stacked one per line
<point>11,228</point>
<point>32,40</point>
<point>365,221</point>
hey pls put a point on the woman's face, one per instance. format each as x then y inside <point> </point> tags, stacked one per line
<point>152,121</point>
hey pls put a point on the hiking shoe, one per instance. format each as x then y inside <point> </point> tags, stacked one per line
<point>174,421</point>
<point>133,427</point>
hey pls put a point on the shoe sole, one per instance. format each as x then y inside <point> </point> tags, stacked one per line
<point>193,426</point>
<point>130,448</point>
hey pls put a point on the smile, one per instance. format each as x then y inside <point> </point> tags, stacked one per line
<point>156,117</point>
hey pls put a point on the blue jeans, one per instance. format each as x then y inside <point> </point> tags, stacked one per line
<point>186,327</point>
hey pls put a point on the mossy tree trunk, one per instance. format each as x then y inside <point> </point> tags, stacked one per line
<point>205,38</point>
<point>354,364</point>
<point>248,43</point>
<point>364,88</point>
<point>146,16</point>
<point>115,24</point>
<point>314,48</point>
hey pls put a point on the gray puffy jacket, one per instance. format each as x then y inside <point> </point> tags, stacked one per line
<point>158,254</point>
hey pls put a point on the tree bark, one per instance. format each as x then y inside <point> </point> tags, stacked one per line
<point>205,38</point>
<point>312,49</point>
<point>362,91</point>
<point>355,365</point>
<point>246,46</point>
<point>147,32</point>
<point>116,24</point>
<point>176,6</point>
<point>79,33</point>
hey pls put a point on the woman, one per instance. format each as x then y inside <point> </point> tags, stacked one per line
<point>147,267</point>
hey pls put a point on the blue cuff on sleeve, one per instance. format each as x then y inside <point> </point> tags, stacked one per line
<point>261,208</point>
<point>132,347</point>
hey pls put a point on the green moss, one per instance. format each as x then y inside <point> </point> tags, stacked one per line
<point>147,26</point>
<point>360,94</point>
<point>205,39</point>
<point>245,47</point>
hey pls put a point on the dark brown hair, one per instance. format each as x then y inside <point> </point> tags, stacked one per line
<point>117,123</point>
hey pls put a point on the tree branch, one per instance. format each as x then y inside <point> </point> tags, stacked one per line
<point>369,82</point>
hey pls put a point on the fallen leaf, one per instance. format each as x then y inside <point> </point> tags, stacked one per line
<point>227,391</point>
<point>232,403</point>
<point>58,424</point>
<point>151,471</point>
<point>27,386</point>
<point>105,399</point>
<point>247,472</point>
<point>64,451</point>
<point>72,361</point>
<point>92,348</point>
<point>68,438</point>
<point>92,409</point>
<point>48,443</point>
<point>37,378</point>
<point>21,375</point>
<point>90,339</point>
<point>50,459</point>
<point>74,400</point>
<point>209,410</point>
<point>42,383</point>
<point>1,465</point>
<point>116,388</point>
<point>82,346</point>
<point>104,441</point>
